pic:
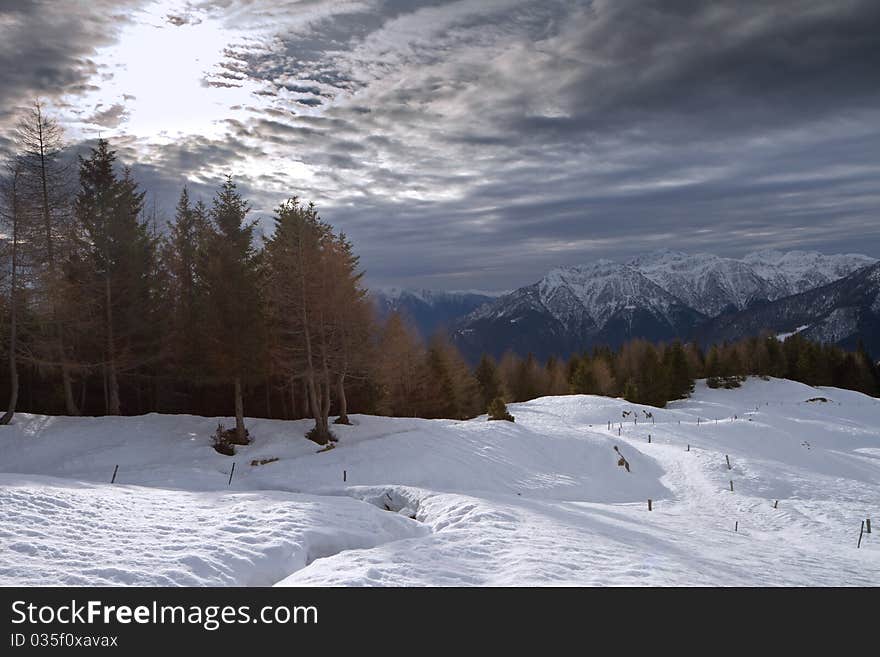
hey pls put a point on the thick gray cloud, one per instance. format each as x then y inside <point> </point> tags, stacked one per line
<point>478,143</point>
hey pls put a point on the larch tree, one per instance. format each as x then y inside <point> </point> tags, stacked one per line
<point>399,368</point>
<point>352,317</point>
<point>46,188</point>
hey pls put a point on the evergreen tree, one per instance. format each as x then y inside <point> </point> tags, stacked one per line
<point>497,410</point>
<point>121,257</point>
<point>583,381</point>
<point>232,296</point>
<point>488,380</point>
<point>679,381</point>
<point>451,390</point>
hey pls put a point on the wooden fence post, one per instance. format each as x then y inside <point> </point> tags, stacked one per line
<point>727,456</point>
<point>731,485</point>
<point>649,505</point>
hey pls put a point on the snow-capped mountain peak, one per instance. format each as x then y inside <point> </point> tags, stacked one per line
<point>661,295</point>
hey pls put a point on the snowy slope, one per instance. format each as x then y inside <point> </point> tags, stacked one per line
<point>537,502</point>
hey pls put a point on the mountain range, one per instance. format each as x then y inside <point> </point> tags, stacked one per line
<point>660,296</point>
<point>429,311</point>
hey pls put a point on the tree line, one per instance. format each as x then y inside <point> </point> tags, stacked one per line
<point>104,313</point>
<point>653,374</point>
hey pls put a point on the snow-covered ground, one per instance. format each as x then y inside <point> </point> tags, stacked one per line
<point>436,502</point>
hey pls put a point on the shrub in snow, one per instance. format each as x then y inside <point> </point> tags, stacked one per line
<point>728,382</point>
<point>224,439</point>
<point>498,410</point>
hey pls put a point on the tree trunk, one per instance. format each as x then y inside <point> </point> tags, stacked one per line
<point>320,433</point>
<point>82,392</point>
<point>268,398</point>
<point>305,399</point>
<point>13,323</point>
<point>112,381</point>
<point>104,382</point>
<point>239,412</point>
<point>325,395</point>
<point>67,384</point>
<point>13,375</point>
<point>293,400</point>
<point>69,402</point>
<point>343,403</point>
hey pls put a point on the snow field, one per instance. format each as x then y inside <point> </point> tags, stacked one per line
<point>437,502</point>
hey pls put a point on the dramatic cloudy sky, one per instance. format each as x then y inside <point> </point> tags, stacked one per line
<point>478,143</point>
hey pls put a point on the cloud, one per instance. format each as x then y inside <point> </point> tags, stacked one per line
<point>478,143</point>
<point>111,117</point>
<point>46,50</point>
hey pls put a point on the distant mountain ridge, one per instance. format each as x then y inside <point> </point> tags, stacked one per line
<point>429,311</point>
<point>842,312</point>
<point>659,296</point>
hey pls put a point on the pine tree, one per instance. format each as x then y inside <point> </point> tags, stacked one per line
<point>488,380</point>
<point>679,381</point>
<point>232,296</point>
<point>583,382</point>
<point>497,410</point>
<point>121,254</point>
<point>631,392</point>
<point>316,306</point>
<point>451,390</point>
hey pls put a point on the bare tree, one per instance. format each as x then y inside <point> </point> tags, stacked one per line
<point>45,185</point>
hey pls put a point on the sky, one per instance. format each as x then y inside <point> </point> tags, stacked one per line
<point>479,143</point>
